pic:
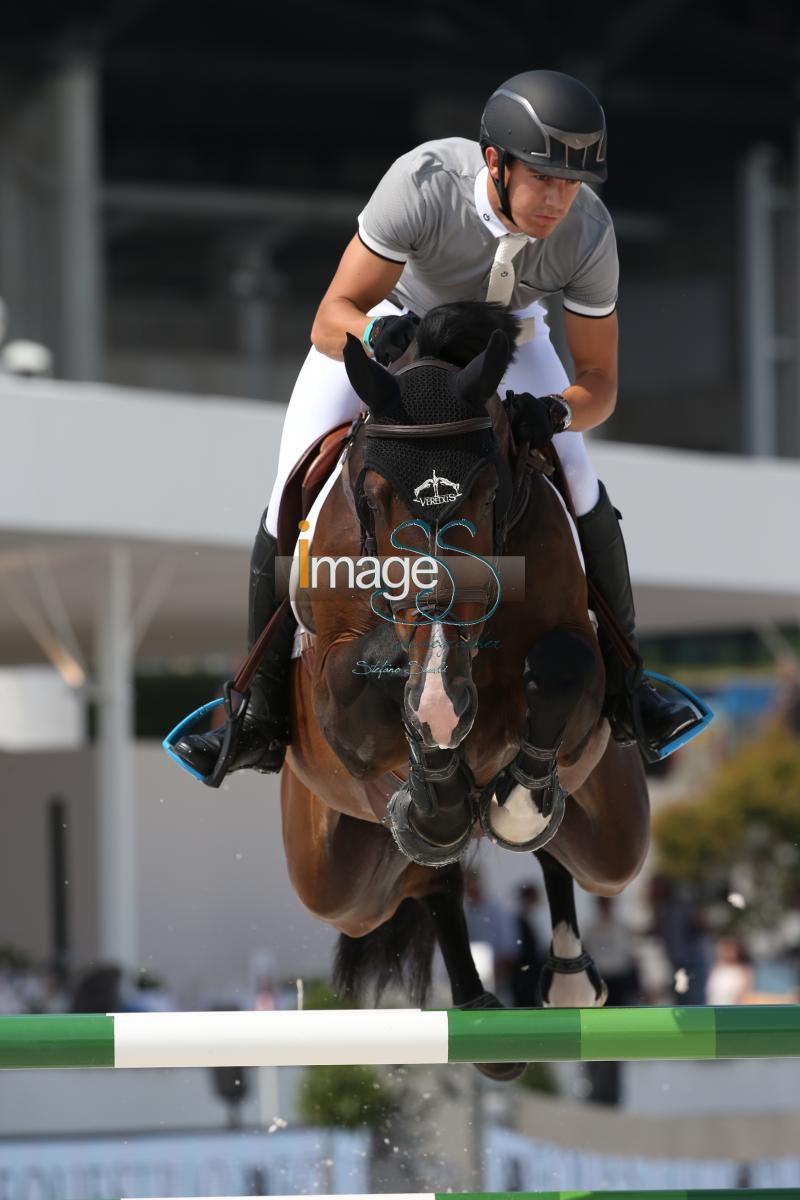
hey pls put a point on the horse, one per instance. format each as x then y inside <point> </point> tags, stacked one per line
<point>409,741</point>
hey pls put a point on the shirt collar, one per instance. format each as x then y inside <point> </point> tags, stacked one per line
<point>484,209</point>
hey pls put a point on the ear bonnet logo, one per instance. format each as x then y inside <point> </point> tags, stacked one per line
<point>447,497</point>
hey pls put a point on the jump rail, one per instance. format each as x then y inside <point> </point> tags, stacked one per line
<point>693,1194</point>
<point>336,1037</point>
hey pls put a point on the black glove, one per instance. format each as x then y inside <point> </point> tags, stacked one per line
<point>390,337</point>
<point>535,419</point>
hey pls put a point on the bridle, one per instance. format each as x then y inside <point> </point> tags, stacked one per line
<point>442,598</point>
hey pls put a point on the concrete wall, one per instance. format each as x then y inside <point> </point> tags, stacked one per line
<point>212,884</point>
<point>212,881</point>
<point>213,888</point>
<point>28,782</point>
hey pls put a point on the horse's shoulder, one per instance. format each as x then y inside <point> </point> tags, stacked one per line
<point>545,514</point>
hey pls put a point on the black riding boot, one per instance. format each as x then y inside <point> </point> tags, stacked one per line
<point>607,567</point>
<point>264,733</point>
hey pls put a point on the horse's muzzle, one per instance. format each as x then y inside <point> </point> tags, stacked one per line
<point>441,700</point>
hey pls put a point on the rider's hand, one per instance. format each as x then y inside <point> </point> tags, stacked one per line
<point>535,419</point>
<point>389,337</point>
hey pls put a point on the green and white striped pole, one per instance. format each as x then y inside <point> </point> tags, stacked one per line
<point>336,1037</point>
<point>694,1194</point>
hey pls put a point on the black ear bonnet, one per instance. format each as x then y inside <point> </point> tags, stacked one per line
<point>433,475</point>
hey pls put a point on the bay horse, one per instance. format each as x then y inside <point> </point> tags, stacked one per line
<point>431,718</point>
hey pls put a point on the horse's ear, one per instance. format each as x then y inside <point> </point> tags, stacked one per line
<point>371,382</point>
<point>480,379</point>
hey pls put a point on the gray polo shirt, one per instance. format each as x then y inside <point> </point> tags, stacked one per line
<point>431,212</point>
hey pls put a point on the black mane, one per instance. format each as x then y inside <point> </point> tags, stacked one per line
<point>459,332</point>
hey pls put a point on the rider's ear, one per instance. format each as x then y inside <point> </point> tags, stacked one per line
<point>480,379</point>
<point>371,382</point>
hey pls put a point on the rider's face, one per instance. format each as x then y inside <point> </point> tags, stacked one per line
<point>539,202</point>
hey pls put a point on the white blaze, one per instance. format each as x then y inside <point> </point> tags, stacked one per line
<point>435,706</point>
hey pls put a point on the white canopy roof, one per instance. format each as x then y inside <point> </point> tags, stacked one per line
<point>182,481</point>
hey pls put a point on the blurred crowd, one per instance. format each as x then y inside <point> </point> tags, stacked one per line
<point>28,987</point>
<point>672,953</point>
<point>669,950</point>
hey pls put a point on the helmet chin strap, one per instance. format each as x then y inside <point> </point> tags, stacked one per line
<point>500,183</point>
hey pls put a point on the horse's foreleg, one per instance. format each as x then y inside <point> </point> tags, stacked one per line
<point>569,978</point>
<point>445,908</point>
<point>559,670</point>
<point>604,838</point>
<point>433,813</point>
<point>528,804</point>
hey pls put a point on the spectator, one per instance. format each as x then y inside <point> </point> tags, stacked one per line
<point>264,990</point>
<point>99,990</point>
<point>680,924</point>
<point>787,707</point>
<point>529,957</point>
<point>490,922</point>
<point>149,994</point>
<point>730,980</point>
<point>612,946</point>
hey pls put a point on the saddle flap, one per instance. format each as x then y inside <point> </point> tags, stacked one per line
<point>304,482</point>
<point>321,467</point>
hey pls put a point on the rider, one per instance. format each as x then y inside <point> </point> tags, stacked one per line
<point>449,218</point>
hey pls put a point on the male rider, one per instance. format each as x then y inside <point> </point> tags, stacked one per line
<point>510,219</point>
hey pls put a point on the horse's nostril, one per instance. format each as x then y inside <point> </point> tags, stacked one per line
<point>465,699</point>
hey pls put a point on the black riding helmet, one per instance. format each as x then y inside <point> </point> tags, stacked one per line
<point>549,121</point>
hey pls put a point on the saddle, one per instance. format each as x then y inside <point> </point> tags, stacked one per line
<point>305,482</point>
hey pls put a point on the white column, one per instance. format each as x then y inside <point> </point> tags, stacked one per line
<point>116,795</point>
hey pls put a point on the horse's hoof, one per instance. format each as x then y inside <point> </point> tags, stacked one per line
<point>519,823</point>
<point>577,981</point>
<point>500,1072</point>
<point>419,848</point>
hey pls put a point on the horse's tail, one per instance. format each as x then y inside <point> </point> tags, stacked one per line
<point>399,952</point>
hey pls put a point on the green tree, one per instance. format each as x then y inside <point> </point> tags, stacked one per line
<point>748,818</point>
<point>348,1097</point>
<point>539,1077</point>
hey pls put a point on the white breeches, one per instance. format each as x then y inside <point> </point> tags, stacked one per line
<point>322,398</point>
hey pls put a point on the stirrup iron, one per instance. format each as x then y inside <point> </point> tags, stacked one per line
<point>230,742</point>
<point>704,714</point>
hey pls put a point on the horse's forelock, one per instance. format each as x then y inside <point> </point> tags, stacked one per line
<point>458,333</point>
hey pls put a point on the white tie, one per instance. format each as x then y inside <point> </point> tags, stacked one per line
<point>501,279</point>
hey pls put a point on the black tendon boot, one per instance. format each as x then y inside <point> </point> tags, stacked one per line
<point>607,567</point>
<point>264,733</point>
